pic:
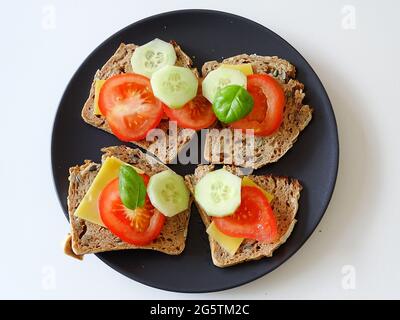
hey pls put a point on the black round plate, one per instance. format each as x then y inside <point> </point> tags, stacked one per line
<point>205,35</point>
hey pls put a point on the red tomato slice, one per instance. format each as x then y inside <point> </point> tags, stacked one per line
<point>196,114</point>
<point>269,103</point>
<point>139,227</point>
<point>129,105</point>
<point>254,219</point>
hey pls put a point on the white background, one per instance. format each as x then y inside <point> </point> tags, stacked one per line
<point>359,68</point>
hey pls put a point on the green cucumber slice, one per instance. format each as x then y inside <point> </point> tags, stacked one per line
<point>218,193</point>
<point>175,86</point>
<point>220,78</point>
<point>152,56</point>
<point>168,193</point>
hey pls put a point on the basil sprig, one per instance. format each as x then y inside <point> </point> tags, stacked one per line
<point>232,103</point>
<point>132,190</point>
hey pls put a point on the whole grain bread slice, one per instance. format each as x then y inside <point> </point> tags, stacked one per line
<point>120,63</point>
<point>87,237</point>
<point>266,149</point>
<point>285,204</point>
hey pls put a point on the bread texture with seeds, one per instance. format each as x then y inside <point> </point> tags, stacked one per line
<point>225,149</point>
<point>86,237</point>
<point>285,204</point>
<point>120,63</point>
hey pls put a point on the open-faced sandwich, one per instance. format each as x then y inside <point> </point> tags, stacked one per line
<point>246,217</point>
<point>130,201</point>
<point>271,110</point>
<point>124,102</point>
<point>143,88</point>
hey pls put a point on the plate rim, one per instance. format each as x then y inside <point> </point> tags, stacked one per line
<point>331,185</point>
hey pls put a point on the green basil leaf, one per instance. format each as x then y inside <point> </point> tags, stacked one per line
<point>232,103</point>
<point>132,190</point>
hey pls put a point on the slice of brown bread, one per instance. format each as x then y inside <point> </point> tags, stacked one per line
<point>120,63</point>
<point>271,148</point>
<point>285,204</point>
<point>87,237</point>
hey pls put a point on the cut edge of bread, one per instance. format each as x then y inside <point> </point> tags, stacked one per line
<point>285,205</point>
<point>86,237</point>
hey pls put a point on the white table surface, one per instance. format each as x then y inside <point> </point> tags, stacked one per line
<point>353,254</point>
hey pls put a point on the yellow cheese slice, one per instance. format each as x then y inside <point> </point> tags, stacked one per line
<point>88,209</point>
<point>246,68</point>
<point>97,86</point>
<point>248,182</point>
<point>230,244</point>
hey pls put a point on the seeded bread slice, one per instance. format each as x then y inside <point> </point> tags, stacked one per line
<point>285,204</point>
<point>266,149</point>
<point>120,63</point>
<point>87,237</point>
